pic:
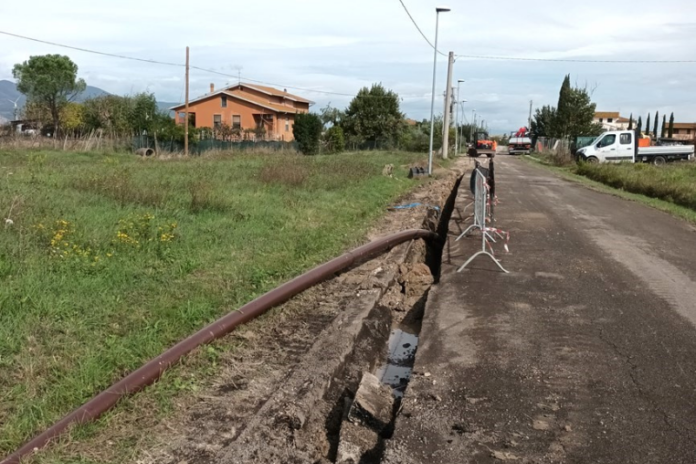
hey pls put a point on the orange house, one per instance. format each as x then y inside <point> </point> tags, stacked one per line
<point>246,107</point>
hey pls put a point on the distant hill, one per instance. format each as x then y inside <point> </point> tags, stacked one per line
<point>9,94</point>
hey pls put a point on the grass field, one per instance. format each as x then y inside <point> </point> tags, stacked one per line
<point>106,260</point>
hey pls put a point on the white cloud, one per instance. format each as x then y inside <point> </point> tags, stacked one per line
<point>342,46</point>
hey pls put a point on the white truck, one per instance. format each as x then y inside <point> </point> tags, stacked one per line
<point>518,145</point>
<point>618,146</point>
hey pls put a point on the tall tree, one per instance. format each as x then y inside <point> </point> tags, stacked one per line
<point>373,115</point>
<point>671,125</point>
<point>630,122</point>
<point>657,123</point>
<point>51,81</point>
<point>307,131</point>
<point>564,109</point>
<point>647,125</point>
<point>639,128</point>
<point>664,126</point>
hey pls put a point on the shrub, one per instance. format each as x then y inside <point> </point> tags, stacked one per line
<point>307,132</point>
<point>334,140</point>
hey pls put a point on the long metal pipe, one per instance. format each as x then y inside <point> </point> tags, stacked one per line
<point>151,371</point>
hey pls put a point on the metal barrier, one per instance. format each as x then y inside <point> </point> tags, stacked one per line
<point>482,210</point>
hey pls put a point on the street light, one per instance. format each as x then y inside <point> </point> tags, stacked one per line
<point>432,102</point>
<point>461,128</point>
<point>456,122</point>
<point>473,127</point>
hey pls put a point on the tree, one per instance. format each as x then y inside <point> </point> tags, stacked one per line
<point>542,122</point>
<point>51,81</point>
<point>664,126</point>
<point>331,116</point>
<point>647,125</point>
<point>657,123</point>
<point>671,125</point>
<point>374,116</point>
<point>307,130</point>
<point>334,140</point>
<point>563,109</point>
<point>630,122</point>
<point>639,128</point>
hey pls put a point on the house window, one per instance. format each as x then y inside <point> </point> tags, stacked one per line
<point>223,101</point>
<point>610,120</point>
<point>626,139</point>
<point>217,121</point>
<point>236,122</point>
<point>287,124</point>
<point>601,119</point>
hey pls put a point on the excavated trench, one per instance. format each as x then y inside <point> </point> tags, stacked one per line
<point>386,347</point>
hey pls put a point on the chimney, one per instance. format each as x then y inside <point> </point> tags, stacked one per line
<point>212,87</point>
<point>285,90</point>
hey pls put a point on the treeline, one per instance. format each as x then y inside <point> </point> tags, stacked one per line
<point>372,120</point>
<point>666,131</point>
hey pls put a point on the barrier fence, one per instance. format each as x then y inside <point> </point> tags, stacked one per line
<point>483,186</point>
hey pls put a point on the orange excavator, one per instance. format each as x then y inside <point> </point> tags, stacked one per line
<point>482,145</point>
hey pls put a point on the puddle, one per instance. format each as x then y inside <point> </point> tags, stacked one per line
<point>402,353</point>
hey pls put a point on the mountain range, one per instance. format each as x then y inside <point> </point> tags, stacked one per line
<point>9,95</point>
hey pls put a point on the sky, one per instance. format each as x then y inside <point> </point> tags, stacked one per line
<point>340,46</point>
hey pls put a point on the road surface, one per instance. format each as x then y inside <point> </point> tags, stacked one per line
<point>584,353</point>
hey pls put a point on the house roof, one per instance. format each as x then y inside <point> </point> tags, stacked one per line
<point>607,114</point>
<point>685,125</point>
<point>622,119</point>
<point>411,122</point>
<point>237,92</point>
<point>256,100</point>
<point>274,92</point>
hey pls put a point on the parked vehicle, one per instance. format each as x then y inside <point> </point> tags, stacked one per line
<point>482,145</point>
<point>618,146</point>
<point>519,143</point>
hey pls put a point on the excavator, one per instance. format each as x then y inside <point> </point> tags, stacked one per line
<point>482,145</point>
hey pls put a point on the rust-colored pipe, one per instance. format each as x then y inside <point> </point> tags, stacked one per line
<point>150,372</point>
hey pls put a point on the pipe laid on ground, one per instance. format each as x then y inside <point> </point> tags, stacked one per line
<point>151,371</point>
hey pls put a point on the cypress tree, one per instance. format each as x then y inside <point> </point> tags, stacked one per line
<point>664,126</point>
<point>640,125</point>
<point>630,122</point>
<point>647,125</point>
<point>671,125</point>
<point>657,123</point>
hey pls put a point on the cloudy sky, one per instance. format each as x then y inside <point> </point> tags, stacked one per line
<point>340,46</point>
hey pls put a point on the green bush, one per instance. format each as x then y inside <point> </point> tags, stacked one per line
<point>335,140</point>
<point>307,131</point>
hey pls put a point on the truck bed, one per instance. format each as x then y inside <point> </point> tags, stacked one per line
<point>670,150</point>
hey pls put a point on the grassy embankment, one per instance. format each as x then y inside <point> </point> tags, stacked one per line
<point>106,260</point>
<point>671,188</point>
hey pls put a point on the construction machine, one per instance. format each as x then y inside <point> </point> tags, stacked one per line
<point>482,145</point>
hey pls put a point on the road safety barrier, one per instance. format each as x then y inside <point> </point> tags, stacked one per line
<point>484,200</point>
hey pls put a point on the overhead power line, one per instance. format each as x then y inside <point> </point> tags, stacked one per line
<point>180,65</point>
<point>566,60</point>
<point>419,29</point>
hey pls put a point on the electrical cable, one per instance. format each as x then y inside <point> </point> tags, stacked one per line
<point>419,29</point>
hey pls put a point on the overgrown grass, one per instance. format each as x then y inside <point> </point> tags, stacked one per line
<point>106,260</point>
<point>674,183</point>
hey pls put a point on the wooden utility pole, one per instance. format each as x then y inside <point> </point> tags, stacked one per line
<point>448,106</point>
<point>529,121</point>
<point>186,107</point>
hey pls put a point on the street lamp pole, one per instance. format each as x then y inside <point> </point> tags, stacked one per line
<point>432,100</point>
<point>456,119</point>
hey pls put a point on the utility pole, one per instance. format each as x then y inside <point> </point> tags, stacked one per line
<point>529,121</point>
<point>186,107</point>
<point>448,106</point>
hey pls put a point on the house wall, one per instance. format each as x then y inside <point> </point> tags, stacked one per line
<point>205,111</point>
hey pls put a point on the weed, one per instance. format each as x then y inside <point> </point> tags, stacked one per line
<point>114,259</point>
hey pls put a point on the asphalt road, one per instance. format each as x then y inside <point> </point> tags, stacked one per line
<point>584,353</point>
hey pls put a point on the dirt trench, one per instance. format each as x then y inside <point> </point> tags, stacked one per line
<point>283,396</point>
